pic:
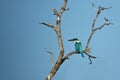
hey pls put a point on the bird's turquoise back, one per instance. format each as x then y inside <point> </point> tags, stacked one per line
<point>78,47</point>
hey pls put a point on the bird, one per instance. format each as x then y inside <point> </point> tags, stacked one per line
<point>78,45</point>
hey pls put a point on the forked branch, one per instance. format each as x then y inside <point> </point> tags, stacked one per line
<point>93,29</point>
<point>57,29</point>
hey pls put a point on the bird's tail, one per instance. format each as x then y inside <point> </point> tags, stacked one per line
<point>82,54</point>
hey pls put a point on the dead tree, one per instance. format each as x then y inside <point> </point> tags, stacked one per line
<point>57,29</point>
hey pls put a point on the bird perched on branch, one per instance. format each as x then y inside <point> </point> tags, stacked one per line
<point>78,46</point>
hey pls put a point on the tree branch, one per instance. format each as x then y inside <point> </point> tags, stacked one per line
<point>93,24</point>
<point>100,9</point>
<point>74,52</point>
<point>103,25</point>
<point>48,25</point>
<point>63,8</point>
<point>69,54</point>
<point>55,12</point>
<point>60,42</point>
<point>93,29</point>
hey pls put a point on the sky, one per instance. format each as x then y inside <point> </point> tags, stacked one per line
<point>23,39</point>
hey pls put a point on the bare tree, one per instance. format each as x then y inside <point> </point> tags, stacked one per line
<point>57,29</point>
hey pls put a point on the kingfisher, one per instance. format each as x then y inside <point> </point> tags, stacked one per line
<point>78,45</point>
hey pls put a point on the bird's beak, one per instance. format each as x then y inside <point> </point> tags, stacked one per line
<point>70,40</point>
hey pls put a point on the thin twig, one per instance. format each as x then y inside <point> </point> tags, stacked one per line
<point>52,56</point>
<point>100,27</point>
<point>55,12</point>
<point>48,25</point>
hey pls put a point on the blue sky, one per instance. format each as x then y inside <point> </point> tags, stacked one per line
<point>22,40</point>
